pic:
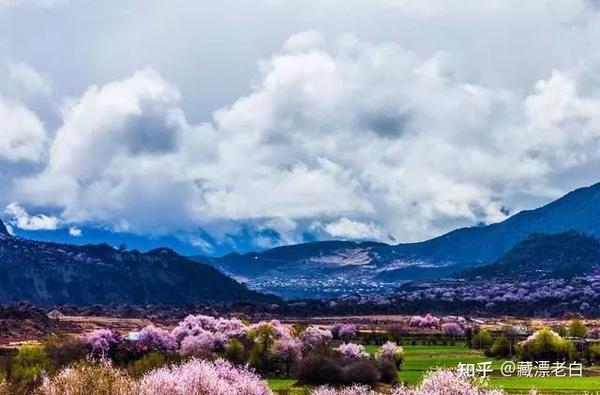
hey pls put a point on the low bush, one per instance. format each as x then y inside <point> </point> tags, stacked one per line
<point>388,372</point>
<point>29,365</point>
<point>361,372</point>
<point>447,382</point>
<point>64,349</point>
<point>89,379</point>
<point>482,340</point>
<point>500,348</point>
<point>546,345</point>
<point>146,363</point>
<point>197,376</point>
<point>594,353</point>
<point>317,369</point>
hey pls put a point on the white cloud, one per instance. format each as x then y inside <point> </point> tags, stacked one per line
<point>28,79</point>
<point>370,138</point>
<point>75,231</point>
<point>22,134</point>
<point>36,3</point>
<point>22,220</point>
<point>347,228</point>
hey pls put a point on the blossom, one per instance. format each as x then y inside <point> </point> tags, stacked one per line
<point>428,321</point>
<point>446,382</point>
<point>353,350</point>
<point>203,377</point>
<point>152,338</point>
<point>344,331</point>
<point>389,351</point>
<point>101,341</point>
<point>314,337</point>
<point>452,329</point>
<point>201,343</point>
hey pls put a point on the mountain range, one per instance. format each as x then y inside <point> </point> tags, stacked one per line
<point>48,273</point>
<point>333,267</point>
<point>557,240</point>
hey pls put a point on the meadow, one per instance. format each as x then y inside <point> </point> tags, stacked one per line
<point>226,355</point>
<point>418,359</point>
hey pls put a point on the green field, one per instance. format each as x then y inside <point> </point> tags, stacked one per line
<point>419,359</point>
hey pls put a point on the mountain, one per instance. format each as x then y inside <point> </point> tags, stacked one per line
<point>49,273</point>
<point>562,255</point>
<point>330,268</point>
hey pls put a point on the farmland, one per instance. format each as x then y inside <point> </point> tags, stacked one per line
<point>292,355</point>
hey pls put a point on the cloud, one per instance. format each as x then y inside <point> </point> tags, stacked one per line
<point>22,220</point>
<point>75,232</point>
<point>35,3</point>
<point>28,79</point>
<point>370,139</point>
<point>22,134</point>
<point>347,228</point>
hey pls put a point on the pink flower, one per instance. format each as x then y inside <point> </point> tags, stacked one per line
<point>352,350</point>
<point>446,382</point>
<point>101,341</point>
<point>203,377</point>
<point>314,337</point>
<point>152,338</point>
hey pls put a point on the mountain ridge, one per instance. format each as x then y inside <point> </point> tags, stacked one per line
<point>48,273</point>
<point>370,265</point>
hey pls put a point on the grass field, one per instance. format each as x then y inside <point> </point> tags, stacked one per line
<point>419,359</point>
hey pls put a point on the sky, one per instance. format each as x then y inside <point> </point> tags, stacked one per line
<point>234,125</point>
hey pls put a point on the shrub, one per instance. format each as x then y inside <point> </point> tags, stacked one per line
<point>452,329</point>
<point>203,377</point>
<point>560,329</point>
<point>287,351</point>
<point>314,338</point>
<point>595,353</point>
<point>88,379</point>
<point>200,344</point>
<point>446,382</point>
<point>482,340</point>
<point>388,371</point>
<point>29,365</point>
<point>316,369</point>
<point>101,341</point>
<point>501,347</point>
<point>152,338</point>
<point>353,351</point>
<point>391,352</point>
<point>64,349</point>
<point>146,363</point>
<point>546,345</point>
<point>428,321</point>
<point>236,352</point>
<point>4,386</point>
<point>361,372</point>
<point>577,328</point>
<point>344,332</point>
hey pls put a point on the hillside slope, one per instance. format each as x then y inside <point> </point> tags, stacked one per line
<point>48,273</point>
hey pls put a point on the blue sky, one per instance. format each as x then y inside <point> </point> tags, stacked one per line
<point>234,125</point>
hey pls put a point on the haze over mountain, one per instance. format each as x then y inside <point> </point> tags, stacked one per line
<point>48,273</point>
<point>341,266</point>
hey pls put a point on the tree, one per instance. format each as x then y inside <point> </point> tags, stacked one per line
<point>577,328</point>
<point>482,340</point>
<point>501,347</point>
